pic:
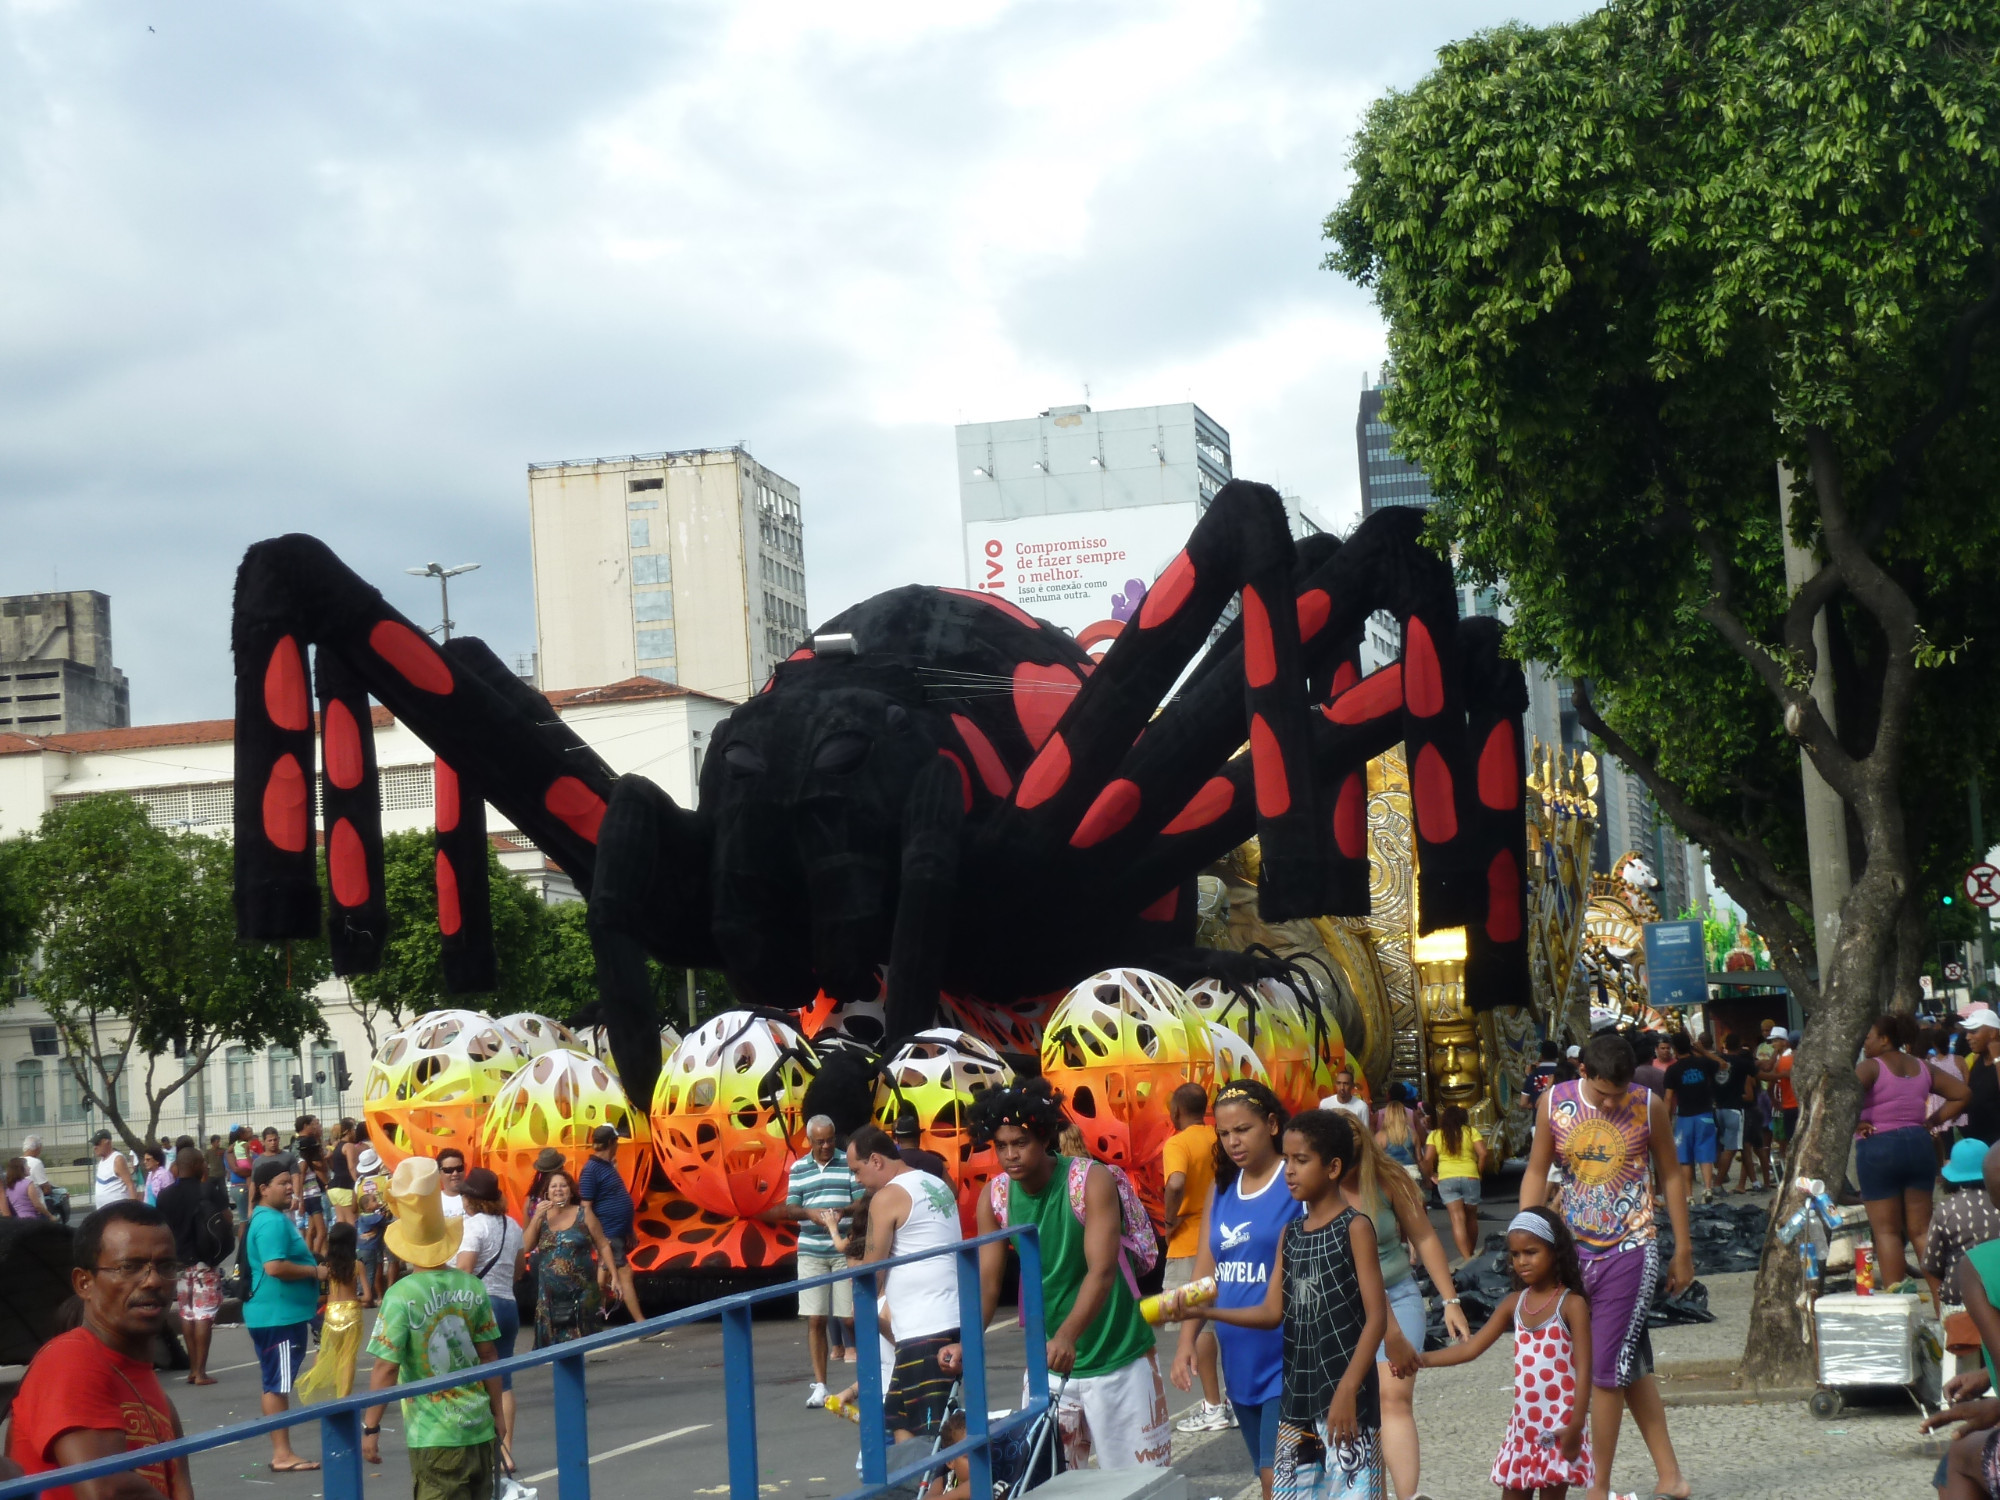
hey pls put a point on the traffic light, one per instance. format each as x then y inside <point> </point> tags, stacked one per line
<point>1947,898</point>
<point>342,1079</point>
<point>299,1089</point>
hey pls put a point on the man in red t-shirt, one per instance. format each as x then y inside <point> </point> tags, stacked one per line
<point>91,1392</point>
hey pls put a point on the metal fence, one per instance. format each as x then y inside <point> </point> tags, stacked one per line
<point>340,1420</point>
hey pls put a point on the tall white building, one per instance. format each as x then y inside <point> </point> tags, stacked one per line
<point>686,567</point>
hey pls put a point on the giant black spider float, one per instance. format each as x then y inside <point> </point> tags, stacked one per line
<point>935,782</point>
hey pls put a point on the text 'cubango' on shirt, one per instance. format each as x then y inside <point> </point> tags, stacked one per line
<point>431,1323</point>
<point>1607,1163</point>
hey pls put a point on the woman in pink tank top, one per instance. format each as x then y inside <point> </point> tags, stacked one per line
<point>1892,1147</point>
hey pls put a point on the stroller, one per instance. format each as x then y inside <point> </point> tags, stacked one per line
<point>1022,1460</point>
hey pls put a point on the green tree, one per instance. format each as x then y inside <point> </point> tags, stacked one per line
<point>139,957</point>
<point>18,913</point>
<point>1633,264</point>
<point>569,975</point>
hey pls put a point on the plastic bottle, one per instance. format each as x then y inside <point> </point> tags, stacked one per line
<point>848,1409</point>
<point>1168,1306</point>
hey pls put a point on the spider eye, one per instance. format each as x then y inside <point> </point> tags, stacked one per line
<point>840,753</point>
<point>896,717</point>
<point>742,760</point>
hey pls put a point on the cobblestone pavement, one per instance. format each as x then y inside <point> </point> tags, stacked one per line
<point>1769,1452</point>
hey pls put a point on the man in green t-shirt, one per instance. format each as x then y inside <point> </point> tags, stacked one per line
<point>1113,1400</point>
<point>434,1321</point>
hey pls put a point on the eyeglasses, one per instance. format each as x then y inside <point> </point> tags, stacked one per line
<point>453,1171</point>
<point>135,1270</point>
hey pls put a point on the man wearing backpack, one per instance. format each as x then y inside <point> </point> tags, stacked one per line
<point>1113,1399</point>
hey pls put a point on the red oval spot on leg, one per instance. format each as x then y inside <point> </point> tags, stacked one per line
<point>1373,696</point>
<point>444,796</point>
<point>285,696</point>
<point>347,865</point>
<point>1314,606</point>
<point>576,804</point>
<point>287,808</point>
<point>1046,776</point>
<point>1503,898</point>
<point>1437,814</point>
<point>1274,792</point>
<point>1499,779</point>
<point>1205,806</point>
<point>1042,696</point>
<point>1423,680</point>
<point>449,917</point>
<point>1116,805</point>
<point>1344,677</point>
<point>1006,606</point>
<point>964,776</point>
<point>343,746</point>
<point>1168,593</point>
<point>410,654</point>
<point>1350,816</point>
<point>1260,655</point>
<point>1163,909</point>
<point>985,759</point>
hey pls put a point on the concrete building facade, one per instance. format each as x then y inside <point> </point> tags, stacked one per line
<point>56,673</point>
<point>685,567</point>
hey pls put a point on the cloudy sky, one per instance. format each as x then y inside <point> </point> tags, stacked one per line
<point>268,265</point>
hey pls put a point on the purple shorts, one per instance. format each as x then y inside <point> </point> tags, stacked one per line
<point>1620,1288</point>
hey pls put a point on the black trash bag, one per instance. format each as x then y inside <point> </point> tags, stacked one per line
<point>1724,1237</point>
<point>1690,1306</point>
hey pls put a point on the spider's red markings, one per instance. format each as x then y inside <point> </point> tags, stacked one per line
<point>1376,694</point>
<point>1423,679</point>
<point>576,804</point>
<point>343,748</point>
<point>1314,606</point>
<point>347,865</point>
<point>1499,784</point>
<point>1046,776</point>
<point>1041,696</point>
<point>1503,898</point>
<point>1163,909</point>
<point>287,808</point>
<point>1115,806</point>
<point>964,777</point>
<point>444,781</point>
<point>985,759</point>
<point>1350,816</point>
<point>1274,792</point>
<point>1344,677</point>
<point>1005,606</point>
<point>449,918</point>
<point>1204,807</point>
<point>410,654</point>
<point>804,653</point>
<point>1260,655</point>
<point>1169,592</point>
<point>1437,814</point>
<point>285,687</point>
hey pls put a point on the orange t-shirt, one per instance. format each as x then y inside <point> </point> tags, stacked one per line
<point>1786,1098</point>
<point>1191,1153</point>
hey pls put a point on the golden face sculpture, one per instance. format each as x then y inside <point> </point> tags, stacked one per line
<point>1455,1062</point>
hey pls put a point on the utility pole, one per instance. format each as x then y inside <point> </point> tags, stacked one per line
<point>1826,814</point>
<point>1985,918</point>
<point>444,576</point>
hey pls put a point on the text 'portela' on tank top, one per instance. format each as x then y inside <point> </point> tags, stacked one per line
<point>1243,1235</point>
<point>1607,1168</point>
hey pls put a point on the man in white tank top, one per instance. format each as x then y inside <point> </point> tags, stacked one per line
<point>910,1211</point>
<point>110,1174</point>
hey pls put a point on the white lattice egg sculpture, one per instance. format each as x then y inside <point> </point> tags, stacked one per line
<point>728,1112</point>
<point>1270,1021</point>
<point>558,1099</point>
<point>535,1034</point>
<point>601,1045</point>
<point>938,1074</point>
<point>430,1084</point>
<point>1118,1045</point>
<point>1235,1061</point>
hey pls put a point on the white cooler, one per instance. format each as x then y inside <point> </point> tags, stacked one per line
<point>1880,1340</point>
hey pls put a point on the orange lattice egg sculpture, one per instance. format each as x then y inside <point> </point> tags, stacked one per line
<point>430,1084</point>
<point>1268,1018</point>
<point>1235,1060</point>
<point>938,1074</point>
<point>598,1042</point>
<point>727,1112</point>
<point>557,1100</point>
<point>535,1034</point>
<point>1117,1046</point>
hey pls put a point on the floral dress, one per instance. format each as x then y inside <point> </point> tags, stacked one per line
<point>565,1284</point>
<point>1545,1397</point>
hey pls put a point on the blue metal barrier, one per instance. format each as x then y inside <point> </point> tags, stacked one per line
<point>340,1419</point>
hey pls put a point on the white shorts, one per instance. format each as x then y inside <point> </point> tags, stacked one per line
<point>1121,1416</point>
<point>836,1301</point>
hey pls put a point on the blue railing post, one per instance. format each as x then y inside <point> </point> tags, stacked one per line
<point>1029,1247</point>
<point>572,1430</point>
<point>868,1370</point>
<point>972,1371</point>
<point>340,1454</point>
<point>739,1387</point>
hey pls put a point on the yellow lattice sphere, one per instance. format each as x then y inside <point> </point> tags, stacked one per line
<point>557,1100</point>
<point>937,1075</point>
<point>535,1034</point>
<point>1268,1018</point>
<point>430,1084</point>
<point>600,1044</point>
<point>727,1112</point>
<point>1235,1061</point>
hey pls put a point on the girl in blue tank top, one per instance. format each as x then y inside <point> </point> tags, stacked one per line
<point>1241,1226</point>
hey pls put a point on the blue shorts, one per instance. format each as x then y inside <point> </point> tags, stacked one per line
<point>1259,1426</point>
<point>1458,1190</point>
<point>1891,1163</point>
<point>1694,1139</point>
<point>1729,1125</point>
<point>1406,1306</point>
<point>281,1356</point>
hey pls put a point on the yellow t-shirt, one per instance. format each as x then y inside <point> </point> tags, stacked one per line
<point>1464,1164</point>
<point>1192,1154</point>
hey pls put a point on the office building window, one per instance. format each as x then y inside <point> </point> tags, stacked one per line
<point>30,1106</point>
<point>284,1066</point>
<point>654,604</point>
<point>654,644</point>
<point>238,1080</point>
<point>642,531</point>
<point>652,568</point>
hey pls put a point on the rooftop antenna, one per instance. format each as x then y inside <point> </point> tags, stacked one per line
<point>444,576</point>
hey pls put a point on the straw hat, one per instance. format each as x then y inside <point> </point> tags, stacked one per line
<point>421,1236</point>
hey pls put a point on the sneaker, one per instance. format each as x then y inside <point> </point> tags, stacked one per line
<point>1207,1418</point>
<point>817,1395</point>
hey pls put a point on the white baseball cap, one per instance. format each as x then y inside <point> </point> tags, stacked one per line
<point>1979,1017</point>
<point>1779,1034</point>
<point>1574,1052</point>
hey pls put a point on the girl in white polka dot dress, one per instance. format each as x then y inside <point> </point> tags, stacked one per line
<point>1547,1448</point>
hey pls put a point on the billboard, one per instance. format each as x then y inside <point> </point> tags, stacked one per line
<point>1676,963</point>
<point>1084,571</point>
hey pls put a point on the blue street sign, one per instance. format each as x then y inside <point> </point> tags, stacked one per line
<point>1676,963</point>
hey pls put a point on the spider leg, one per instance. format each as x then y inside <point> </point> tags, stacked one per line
<point>933,820</point>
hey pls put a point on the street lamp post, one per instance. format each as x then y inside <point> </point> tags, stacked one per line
<point>444,576</point>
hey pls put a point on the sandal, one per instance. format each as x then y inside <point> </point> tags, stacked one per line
<point>303,1466</point>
